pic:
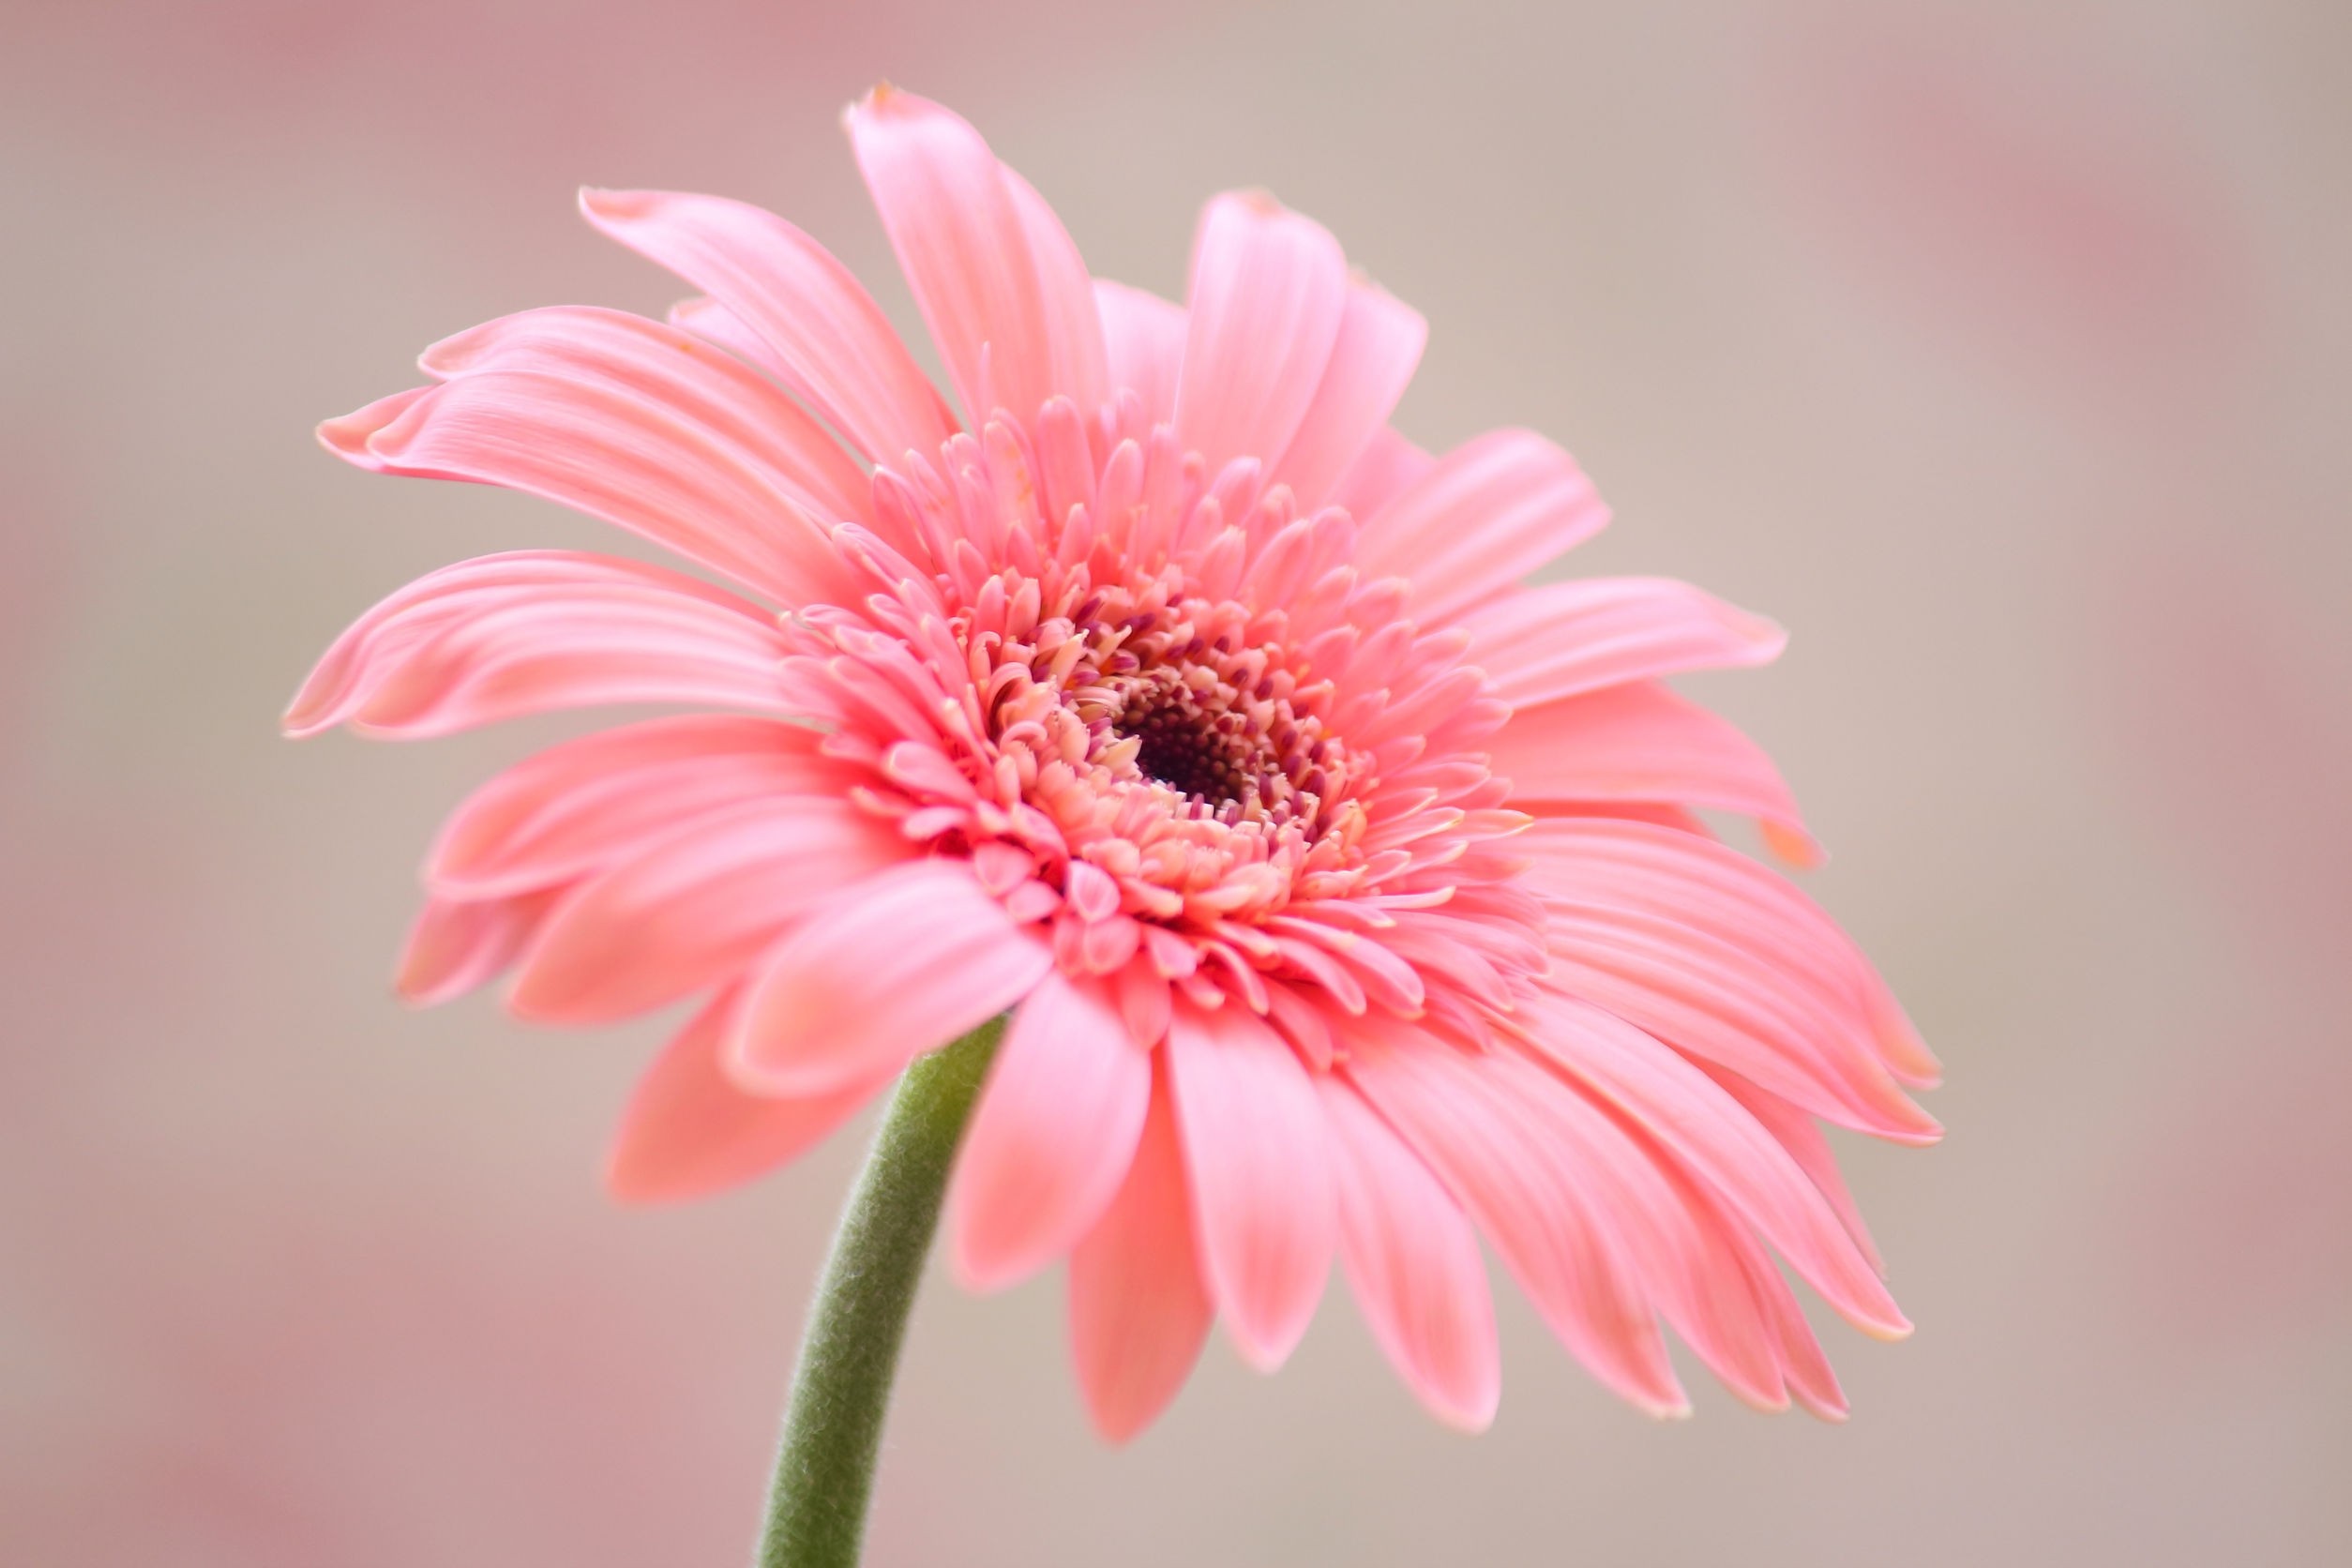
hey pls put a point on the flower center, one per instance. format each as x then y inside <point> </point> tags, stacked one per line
<point>1206,755</point>
<point>1191,704</point>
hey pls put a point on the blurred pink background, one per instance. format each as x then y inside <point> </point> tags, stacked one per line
<point>1999,349</point>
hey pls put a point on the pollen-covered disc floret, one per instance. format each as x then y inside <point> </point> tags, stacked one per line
<point>1346,892</point>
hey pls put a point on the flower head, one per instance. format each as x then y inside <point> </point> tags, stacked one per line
<point>1347,894</point>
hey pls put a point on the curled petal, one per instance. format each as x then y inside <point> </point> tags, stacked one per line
<point>510,635</point>
<point>579,805</point>
<point>661,365</point>
<point>1053,1138</point>
<point>692,908</point>
<point>892,966</point>
<point>617,453</point>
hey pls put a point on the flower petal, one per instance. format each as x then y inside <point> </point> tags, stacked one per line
<point>826,340</point>
<point>897,965</point>
<point>1390,465</point>
<point>1053,1138</point>
<point>1260,1171</point>
<point>509,635</point>
<point>1413,1262</point>
<point>576,806</point>
<point>1138,1311</point>
<point>1641,742</point>
<point>694,907</point>
<point>1269,288</point>
<point>1472,1119</point>
<point>719,395</point>
<point>964,246</point>
<point>1801,1135</point>
<point>1689,1113</point>
<point>689,1132</point>
<point>1144,338</point>
<point>1687,1255</point>
<point>1374,356</point>
<point>1709,998</point>
<point>1074,329</point>
<point>458,945</point>
<point>1489,512</point>
<point>1565,639</point>
<point>1713,889</point>
<point>616,454</point>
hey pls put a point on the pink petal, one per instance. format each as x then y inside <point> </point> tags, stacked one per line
<point>712,322</point>
<point>347,436</point>
<point>1705,997</point>
<point>1413,1262</point>
<point>1564,638</point>
<point>456,945</point>
<point>1641,742</point>
<point>1801,1135</point>
<point>1268,290</point>
<point>689,1132</point>
<point>1144,338</point>
<point>576,806</point>
<point>1139,1313</point>
<point>1470,1118</point>
<point>1074,329</point>
<point>1261,1170</point>
<point>620,455</point>
<point>897,965</point>
<point>1390,465</point>
<point>693,908</point>
<point>1729,895</point>
<point>1053,1138</point>
<point>1491,511</point>
<point>1652,812</point>
<point>964,246</point>
<point>826,340</point>
<point>1374,356</point>
<point>1689,1114</point>
<point>510,635</point>
<point>717,392</point>
<point>1687,1257</point>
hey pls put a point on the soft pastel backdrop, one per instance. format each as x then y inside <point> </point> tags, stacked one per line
<point>1999,349</point>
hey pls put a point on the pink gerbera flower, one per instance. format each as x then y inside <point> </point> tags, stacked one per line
<point>1345,894</point>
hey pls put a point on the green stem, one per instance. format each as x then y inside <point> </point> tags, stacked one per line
<point>842,1388</point>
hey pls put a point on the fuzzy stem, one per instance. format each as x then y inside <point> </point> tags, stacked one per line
<point>833,1423</point>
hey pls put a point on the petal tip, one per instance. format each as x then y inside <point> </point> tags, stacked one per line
<point>1470,1415</point>
<point>352,436</point>
<point>1793,846</point>
<point>611,209</point>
